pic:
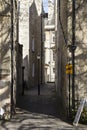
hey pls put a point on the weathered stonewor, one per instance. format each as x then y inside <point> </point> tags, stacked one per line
<point>7,55</point>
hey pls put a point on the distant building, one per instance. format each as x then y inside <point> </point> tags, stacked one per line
<point>23,8</point>
<point>49,45</point>
<point>30,37</point>
<point>35,10</point>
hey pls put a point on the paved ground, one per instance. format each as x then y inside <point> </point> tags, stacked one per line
<point>39,112</point>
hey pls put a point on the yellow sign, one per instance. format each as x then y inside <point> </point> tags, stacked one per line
<point>69,69</point>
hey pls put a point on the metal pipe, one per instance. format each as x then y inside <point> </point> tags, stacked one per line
<point>18,10</point>
<point>38,77</point>
<point>23,83</point>
<point>41,50</point>
<point>69,95</point>
<point>73,54</point>
<point>12,102</point>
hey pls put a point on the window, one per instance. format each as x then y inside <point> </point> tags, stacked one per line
<point>53,39</point>
<point>53,70</point>
<point>33,46</point>
<point>53,55</point>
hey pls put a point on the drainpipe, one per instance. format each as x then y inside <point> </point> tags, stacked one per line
<point>73,53</point>
<point>18,11</point>
<point>41,43</point>
<point>12,102</point>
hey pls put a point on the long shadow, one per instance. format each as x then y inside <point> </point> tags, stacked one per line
<point>5,30</point>
<point>38,112</point>
<point>81,43</point>
<point>46,103</point>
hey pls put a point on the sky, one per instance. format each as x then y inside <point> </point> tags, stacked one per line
<point>45,5</point>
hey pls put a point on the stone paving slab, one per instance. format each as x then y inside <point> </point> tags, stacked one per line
<point>38,113</point>
<point>25,120</point>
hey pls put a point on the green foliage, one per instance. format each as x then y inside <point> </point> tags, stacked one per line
<point>83,118</point>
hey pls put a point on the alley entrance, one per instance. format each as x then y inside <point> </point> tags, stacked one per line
<point>41,112</point>
<point>45,103</point>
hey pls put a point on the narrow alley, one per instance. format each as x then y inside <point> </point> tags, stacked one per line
<point>45,103</point>
<point>43,64</point>
<point>41,112</point>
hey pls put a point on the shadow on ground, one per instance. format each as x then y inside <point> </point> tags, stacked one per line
<point>46,103</point>
<point>33,112</point>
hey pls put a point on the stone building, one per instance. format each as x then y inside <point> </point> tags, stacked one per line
<point>35,10</point>
<point>23,11</point>
<point>81,46</point>
<point>49,44</point>
<point>8,40</point>
<point>63,29</point>
<point>30,38</point>
<point>61,78</point>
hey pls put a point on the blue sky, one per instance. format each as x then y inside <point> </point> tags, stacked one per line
<point>45,5</point>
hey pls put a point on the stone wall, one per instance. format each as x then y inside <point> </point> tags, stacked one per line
<point>63,54</point>
<point>50,12</point>
<point>24,35</point>
<point>35,41</point>
<point>61,50</point>
<point>81,43</point>
<point>7,54</point>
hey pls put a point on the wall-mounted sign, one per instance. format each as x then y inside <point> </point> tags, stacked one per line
<point>69,69</point>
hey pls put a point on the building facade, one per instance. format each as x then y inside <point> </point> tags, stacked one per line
<point>23,12</point>
<point>35,55</point>
<point>49,45</point>
<point>61,78</point>
<point>8,40</point>
<point>64,40</point>
<point>30,26</point>
<point>81,45</point>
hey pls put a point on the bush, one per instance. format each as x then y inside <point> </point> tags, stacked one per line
<point>83,117</point>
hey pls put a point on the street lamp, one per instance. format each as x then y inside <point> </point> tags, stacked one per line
<point>38,59</point>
